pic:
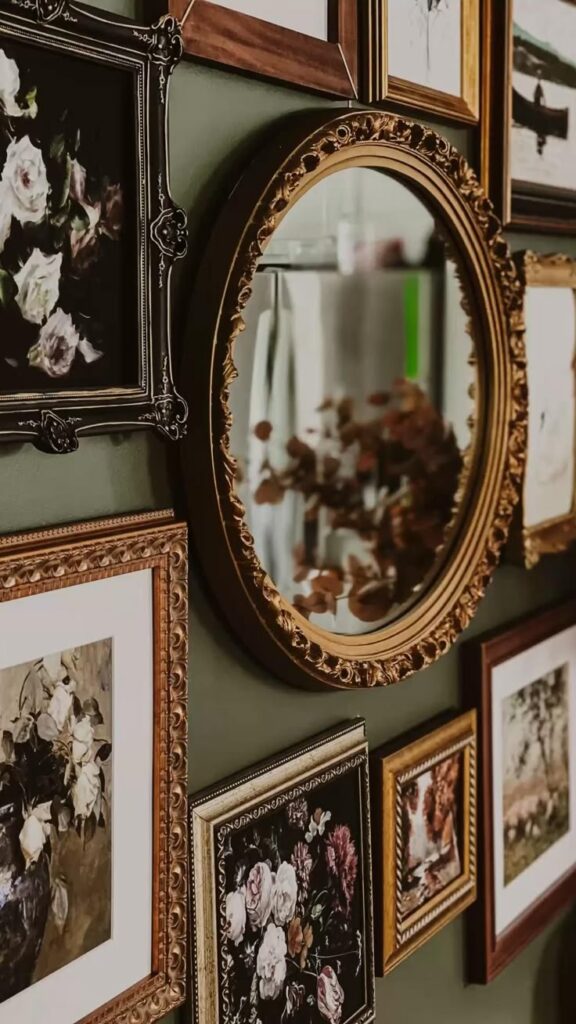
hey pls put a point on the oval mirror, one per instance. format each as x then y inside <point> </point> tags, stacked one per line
<point>358,401</point>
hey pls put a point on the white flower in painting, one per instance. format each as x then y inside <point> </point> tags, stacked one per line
<point>318,823</point>
<point>77,181</point>
<point>285,894</point>
<point>57,344</point>
<point>5,216</point>
<point>271,962</point>
<point>9,85</point>
<point>236,916</point>
<point>86,790</point>
<point>24,176</point>
<point>60,703</point>
<point>38,284</point>
<point>35,832</point>
<point>82,739</point>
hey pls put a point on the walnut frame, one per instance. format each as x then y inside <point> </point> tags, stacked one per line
<point>45,560</point>
<point>542,209</point>
<point>489,955</point>
<point>241,42</point>
<point>398,92</point>
<point>530,543</point>
<point>245,796</point>
<point>55,420</point>
<point>392,766</point>
<point>264,621</point>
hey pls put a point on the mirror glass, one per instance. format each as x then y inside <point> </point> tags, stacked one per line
<point>352,405</point>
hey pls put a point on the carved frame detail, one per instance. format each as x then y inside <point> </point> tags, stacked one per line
<point>54,421</point>
<point>309,150</point>
<point>37,562</point>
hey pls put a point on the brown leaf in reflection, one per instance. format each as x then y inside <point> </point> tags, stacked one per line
<point>263,430</point>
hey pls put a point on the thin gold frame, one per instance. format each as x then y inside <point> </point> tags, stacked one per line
<point>46,560</point>
<point>383,87</point>
<point>396,939</point>
<point>265,787</point>
<point>529,544</point>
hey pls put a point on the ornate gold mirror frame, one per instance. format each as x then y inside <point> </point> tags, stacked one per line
<point>308,150</point>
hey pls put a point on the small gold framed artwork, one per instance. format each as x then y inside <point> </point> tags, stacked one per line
<point>548,508</point>
<point>424,788</point>
<point>425,54</point>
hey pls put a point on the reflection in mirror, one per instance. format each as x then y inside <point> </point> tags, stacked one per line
<point>352,405</point>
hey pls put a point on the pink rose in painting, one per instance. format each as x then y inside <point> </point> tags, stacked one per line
<point>57,344</point>
<point>330,996</point>
<point>342,862</point>
<point>259,892</point>
<point>26,183</point>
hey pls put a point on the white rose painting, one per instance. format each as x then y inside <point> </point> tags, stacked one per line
<point>55,812</point>
<point>68,288</point>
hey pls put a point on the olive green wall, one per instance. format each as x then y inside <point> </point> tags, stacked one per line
<point>238,712</point>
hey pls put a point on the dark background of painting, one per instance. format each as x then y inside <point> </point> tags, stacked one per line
<point>100,102</point>
<point>343,797</point>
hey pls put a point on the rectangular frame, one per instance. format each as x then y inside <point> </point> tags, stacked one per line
<point>528,208</point>
<point>487,955</point>
<point>53,421</point>
<point>249,794</point>
<point>243,43</point>
<point>392,766</point>
<point>381,87</point>
<point>54,559</point>
<point>528,544</point>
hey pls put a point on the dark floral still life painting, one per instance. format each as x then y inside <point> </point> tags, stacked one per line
<point>293,909</point>
<point>68,258</point>
<point>55,812</point>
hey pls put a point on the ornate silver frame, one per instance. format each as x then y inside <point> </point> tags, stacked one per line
<point>53,421</point>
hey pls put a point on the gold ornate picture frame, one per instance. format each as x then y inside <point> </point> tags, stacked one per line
<point>547,513</point>
<point>281,888</point>
<point>382,85</point>
<point>424,793</point>
<point>93,684</point>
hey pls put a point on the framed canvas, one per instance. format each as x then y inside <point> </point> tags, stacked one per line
<point>425,55</point>
<point>93,685</point>
<point>547,512</point>
<point>522,681</point>
<point>308,43</point>
<point>528,138</point>
<point>88,231</point>
<point>281,895</point>
<point>424,790</point>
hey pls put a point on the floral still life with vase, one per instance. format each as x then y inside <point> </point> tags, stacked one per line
<point>64,222</point>
<point>55,812</point>
<point>293,943</point>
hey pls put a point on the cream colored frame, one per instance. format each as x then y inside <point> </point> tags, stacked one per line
<point>396,939</point>
<point>260,789</point>
<point>528,544</point>
<point>384,87</point>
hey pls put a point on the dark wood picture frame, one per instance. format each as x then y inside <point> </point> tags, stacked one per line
<point>50,561</point>
<point>54,419</point>
<point>489,954</point>
<point>243,43</point>
<point>380,87</point>
<point>520,206</point>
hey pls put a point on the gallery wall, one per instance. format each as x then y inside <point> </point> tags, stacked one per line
<point>238,712</point>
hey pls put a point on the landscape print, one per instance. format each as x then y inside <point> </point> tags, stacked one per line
<point>293,930</point>
<point>432,819</point>
<point>55,812</point>
<point>544,93</point>
<point>67,223</point>
<point>536,796</point>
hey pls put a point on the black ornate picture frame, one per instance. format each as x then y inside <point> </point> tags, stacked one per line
<point>88,229</point>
